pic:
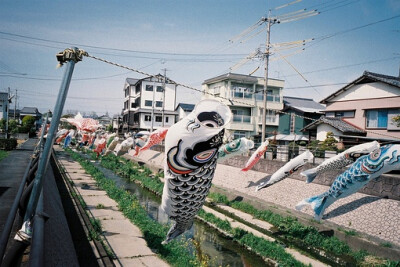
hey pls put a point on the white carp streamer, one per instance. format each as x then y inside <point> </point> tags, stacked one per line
<point>236,147</point>
<point>191,151</point>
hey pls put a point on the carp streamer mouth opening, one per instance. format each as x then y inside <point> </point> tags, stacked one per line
<point>211,119</point>
<point>211,113</point>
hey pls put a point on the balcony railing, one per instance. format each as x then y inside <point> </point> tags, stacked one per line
<point>244,95</point>
<point>270,98</point>
<point>241,119</point>
<point>268,119</point>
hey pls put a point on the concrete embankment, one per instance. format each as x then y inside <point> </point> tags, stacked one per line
<point>124,238</point>
<point>375,219</point>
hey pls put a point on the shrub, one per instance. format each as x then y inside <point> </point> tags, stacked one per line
<point>8,144</point>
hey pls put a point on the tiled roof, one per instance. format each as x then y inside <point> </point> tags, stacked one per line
<point>337,123</point>
<point>392,80</point>
<point>303,104</point>
<point>365,78</point>
<point>30,110</point>
<point>131,81</point>
<point>186,107</point>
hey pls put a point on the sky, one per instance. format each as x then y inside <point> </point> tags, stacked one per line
<point>193,41</point>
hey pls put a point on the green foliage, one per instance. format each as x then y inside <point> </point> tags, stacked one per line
<point>175,252</point>
<point>141,174</point>
<point>290,227</point>
<point>28,120</point>
<point>396,120</point>
<point>110,128</point>
<point>3,154</point>
<point>8,144</point>
<point>329,143</point>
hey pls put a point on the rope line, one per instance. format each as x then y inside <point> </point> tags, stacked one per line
<point>204,92</point>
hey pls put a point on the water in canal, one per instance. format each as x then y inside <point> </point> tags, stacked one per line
<point>221,251</point>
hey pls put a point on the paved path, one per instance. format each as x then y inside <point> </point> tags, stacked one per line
<point>12,170</point>
<point>125,239</point>
<point>374,216</point>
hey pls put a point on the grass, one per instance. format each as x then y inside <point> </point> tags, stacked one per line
<point>308,235</point>
<point>288,226</point>
<point>3,154</point>
<point>175,253</point>
<point>135,173</point>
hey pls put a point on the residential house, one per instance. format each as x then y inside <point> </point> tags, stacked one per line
<point>364,108</point>
<point>183,110</point>
<point>342,130</point>
<point>104,121</point>
<point>14,114</point>
<point>147,104</point>
<point>117,123</point>
<point>244,96</point>
<point>34,112</point>
<point>296,114</point>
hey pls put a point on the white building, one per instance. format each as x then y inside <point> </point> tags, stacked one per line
<point>183,110</point>
<point>147,105</point>
<point>244,96</point>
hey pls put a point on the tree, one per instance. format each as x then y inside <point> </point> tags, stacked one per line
<point>28,123</point>
<point>396,120</point>
<point>329,143</point>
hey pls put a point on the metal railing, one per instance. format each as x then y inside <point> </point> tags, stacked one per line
<point>241,119</point>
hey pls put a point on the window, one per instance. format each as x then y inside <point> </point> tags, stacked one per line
<point>159,104</point>
<point>166,119</point>
<point>158,119</point>
<point>147,117</point>
<point>159,89</point>
<point>133,105</point>
<point>148,103</point>
<point>377,118</point>
<point>239,134</point>
<point>344,114</point>
<point>149,88</point>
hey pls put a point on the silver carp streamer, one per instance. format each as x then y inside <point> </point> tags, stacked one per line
<point>191,151</point>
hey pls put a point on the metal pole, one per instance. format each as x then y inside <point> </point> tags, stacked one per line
<point>13,211</point>
<point>15,104</point>
<point>163,103</point>
<point>37,253</point>
<point>44,126</point>
<point>152,105</point>
<point>70,57</point>
<point>8,111</point>
<point>267,43</point>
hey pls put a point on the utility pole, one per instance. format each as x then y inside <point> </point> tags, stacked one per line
<point>7,110</point>
<point>15,104</point>
<point>153,105</point>
<point>163,103</point>
<point>266,55</point>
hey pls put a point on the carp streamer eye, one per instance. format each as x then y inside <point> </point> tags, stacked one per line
<point>211,119</point>
<point>375,155</point>
<point>233,145</point>
<point>204,156</point>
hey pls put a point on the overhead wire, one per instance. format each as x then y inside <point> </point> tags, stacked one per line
<point>205,92</point>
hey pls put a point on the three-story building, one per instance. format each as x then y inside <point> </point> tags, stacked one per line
<point>149,103</point>
<point>244,96</point>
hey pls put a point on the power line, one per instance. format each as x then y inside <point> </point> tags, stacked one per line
<point>115,49</point>
<point>324,37</point>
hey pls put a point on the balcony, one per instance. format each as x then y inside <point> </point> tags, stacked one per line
<point>270,98</point>
<point>242,119</point>
<point>270,120</point>
<point>241,122</point>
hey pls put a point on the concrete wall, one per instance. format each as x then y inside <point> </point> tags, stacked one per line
<point>387,185</point>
